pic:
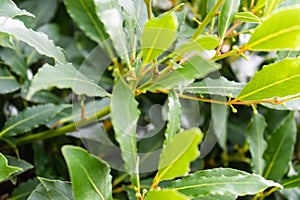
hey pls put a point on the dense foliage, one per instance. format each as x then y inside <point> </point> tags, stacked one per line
<point>151,100</point>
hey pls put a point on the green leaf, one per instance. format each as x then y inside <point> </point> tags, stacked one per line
<point>158,35</point>
<point>277,79</point>
<point>29,118</point>
<point>37,40</point>
<point>229,9</point>
<point>220,86</point>
<point>16,162</point>
<point>39,193</point>
<point>9,9</point>
<point>6,40</point>
<point>125,114</point>
<point>222,181</point>
<point>270,6</point>
<point>57,190</point>
<point>218,197</point>
<point>165,194</point>
<point>291,193</point>
<point>23,190</point>
<point>174,114</point>
<point>256,141</point>
<point>5,169</point>
<point>15,60</point>
<point>284,36</point>
<point>291,182</point>
<point>89,175</point>
<point>84,14</point>
<point>64,76</point>
<point>247,17</point>
<point>208,42</point>
<point>280,149</point>
<point>8,82</point>
<point>110,15</point>
<point>43,11</point>
<point>176,157</point>
<point>196,67</point>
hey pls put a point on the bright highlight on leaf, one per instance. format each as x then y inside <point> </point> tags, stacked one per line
<point>176,157</point>
<point>275,80</point>
<point>222,181</point>
<point>64,76</point>
<point>158,35</point>
<point>281,31</point>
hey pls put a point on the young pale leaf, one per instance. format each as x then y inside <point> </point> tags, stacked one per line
<point>256,141</point>
<point>208,42</point>
<point>158,35</point>
<point>222,181</point>
<point>9,9</point>
<point>247,17</point>
<point>84,14</point>
<point>218,197</point>
<point>228,11</point>
<point>196,67</point>
<point>37,40</point>
<point>5,169</point>
<point>89,175</point>
<point>277,79</point>
<point>57,190</point>
<point>174,114</point>
<point>30,118</point>
<point>8,82</point>
<point>110,15</point>
<point>165,194</point>
<point>284,36</point>
<point>220,86</point>
<point>64,76</point>
<point>270,6</point>
<point>280,149</point>
<point>125,114</point>
<point>291,182</point>
<point>176,157</point>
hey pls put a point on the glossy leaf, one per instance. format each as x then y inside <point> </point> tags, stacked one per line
<point>64,76</point>
<point>5,169</point>
<point>280,149</point>
<point>9,9</point>
<point>89,175</point>
<point>218,197</point>
<point>247,17</point>
<point>165,194</point>
<point>16,61</point>
<point>110,15</point>
<point>84,14</point>
<point>29,118</point>
<point>220,86</point>
<point>125,114</point>
<point>222,181</point>
<point>284,36</point>
<point>56,189</point>
<point>208,42</point>
<point>37,40</point>
<point>176,157</point>
<point>277,79</point>
<point>196,67</point>
<point>174,114</point>
<point>291,182</point>
<point>17,162</point>
<point>8,82</point>
<point>229,9</point>
<point>257,143</point>
<point>39,193</point>
<point>158,35</point>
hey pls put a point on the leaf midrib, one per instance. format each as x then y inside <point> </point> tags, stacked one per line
<point>268,86</point>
